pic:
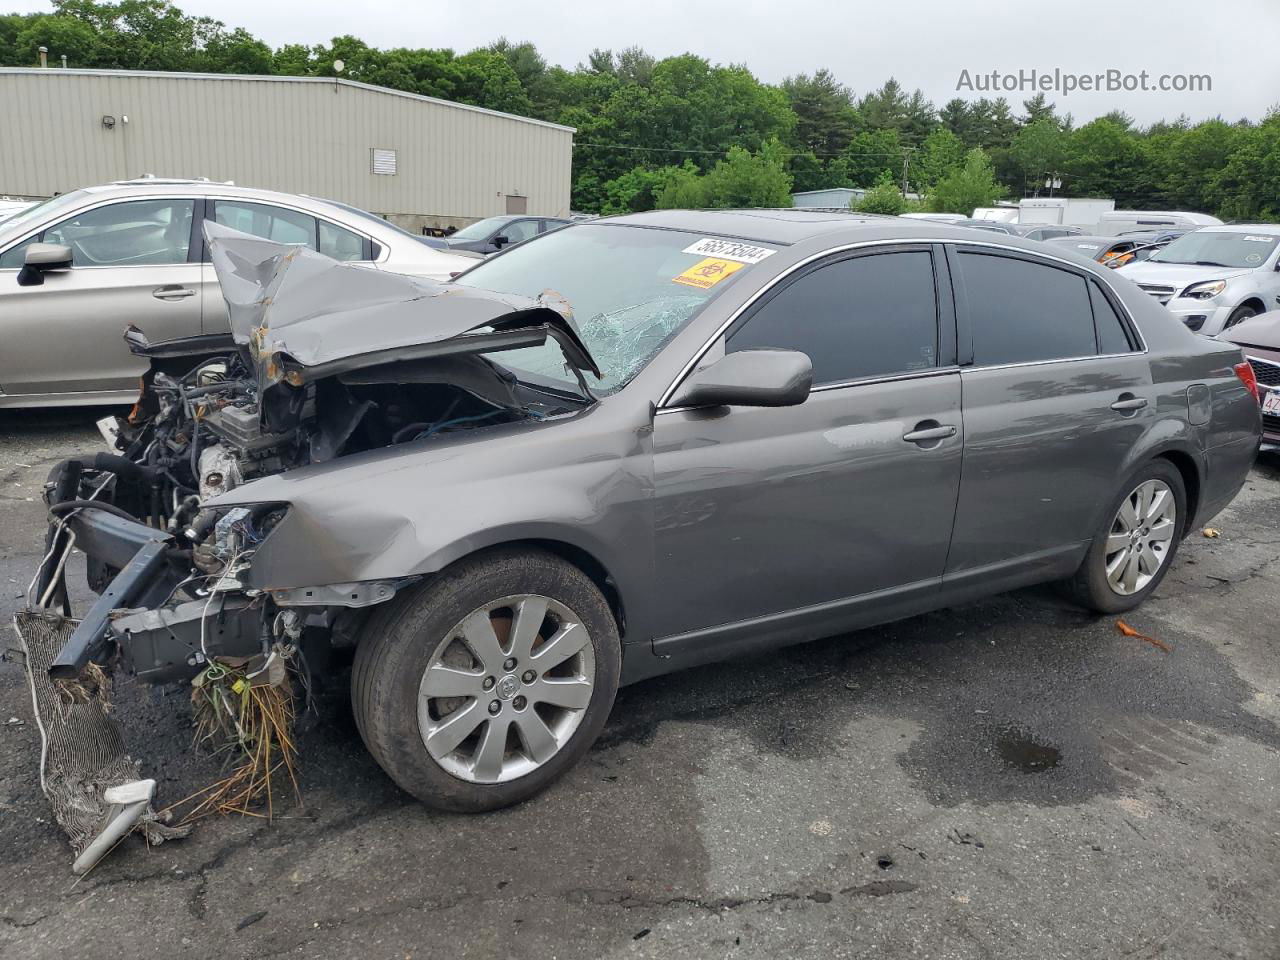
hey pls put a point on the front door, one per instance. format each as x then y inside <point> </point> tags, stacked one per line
<point>129,266</point>
<point>771,512</point>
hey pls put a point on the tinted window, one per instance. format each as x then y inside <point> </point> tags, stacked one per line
<point>134,233</point>
<point>270,223</point>
<point>340,244</point>
<point>863,317</point>
<point>1111,333</point>
<point>1021,311</point>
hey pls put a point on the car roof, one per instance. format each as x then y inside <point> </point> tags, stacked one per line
<point>1088,238</point>
<point>770,226</point>
<point>1269,229</point>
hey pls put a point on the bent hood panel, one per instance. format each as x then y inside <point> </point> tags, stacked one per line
<point>288,302</point>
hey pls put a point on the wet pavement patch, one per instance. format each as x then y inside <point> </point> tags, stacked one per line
<point>1020,752</point>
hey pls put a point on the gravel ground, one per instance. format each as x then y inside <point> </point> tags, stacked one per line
<point>1012,778</point>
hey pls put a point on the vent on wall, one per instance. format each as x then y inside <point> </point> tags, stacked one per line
<point>383,161</point>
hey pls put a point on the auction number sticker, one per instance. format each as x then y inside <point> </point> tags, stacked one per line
<point>729,250</point>
<point>706,273</point>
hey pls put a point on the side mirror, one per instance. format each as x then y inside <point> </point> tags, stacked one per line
<point>500,241</point>
<point>42,258</point>
<point>749,378</point>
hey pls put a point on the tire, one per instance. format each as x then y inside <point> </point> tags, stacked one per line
<point>439,627</point>
<point>1091,585</point>
<point>1238,314</point>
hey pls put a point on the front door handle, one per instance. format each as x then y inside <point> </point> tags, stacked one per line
<point>1128,403</point>
<point>928,431</point>
<point>172,292</point>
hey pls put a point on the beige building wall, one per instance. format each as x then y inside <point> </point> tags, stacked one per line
<point>63,129</point>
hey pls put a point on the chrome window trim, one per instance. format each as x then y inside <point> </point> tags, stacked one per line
<point>691,364</point>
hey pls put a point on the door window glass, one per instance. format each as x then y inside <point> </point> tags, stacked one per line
<point>862,317</point>
<point>132,233</point>
<point>340,244</point>
<point>1021,312</point>
<point>268,222</point>
<point>14,256</point>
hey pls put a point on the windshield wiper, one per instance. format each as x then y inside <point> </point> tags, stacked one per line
<point>1211,263</point>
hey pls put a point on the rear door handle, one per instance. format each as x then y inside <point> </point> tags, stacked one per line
<point>172,292</point>
<point>923,434</point>
<point>1128,402</point>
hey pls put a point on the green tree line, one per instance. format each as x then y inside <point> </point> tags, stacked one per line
<point>682,131</point>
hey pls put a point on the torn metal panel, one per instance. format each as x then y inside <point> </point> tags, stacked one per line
<point>304,315</point>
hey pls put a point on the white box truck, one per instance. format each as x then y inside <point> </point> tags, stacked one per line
<point>1065,211</point>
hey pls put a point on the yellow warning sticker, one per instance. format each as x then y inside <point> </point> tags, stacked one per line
<point>705,274</point>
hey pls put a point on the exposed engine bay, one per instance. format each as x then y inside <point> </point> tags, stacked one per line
<point>325,360</point>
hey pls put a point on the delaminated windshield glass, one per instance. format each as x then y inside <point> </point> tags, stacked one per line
<point>630,288</point>
<point>1219,249</point>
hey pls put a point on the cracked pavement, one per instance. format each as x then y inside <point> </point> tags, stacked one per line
<point>1012,778</point>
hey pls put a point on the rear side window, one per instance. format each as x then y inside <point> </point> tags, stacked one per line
<point>340,244</point>
<point>1021,312</point>
<point>268,222</point>
<point>867,316</point>
<point>1112,337</point>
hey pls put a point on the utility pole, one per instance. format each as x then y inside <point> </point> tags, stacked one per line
<point>906,163</point>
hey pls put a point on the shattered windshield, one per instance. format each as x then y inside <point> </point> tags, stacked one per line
<point>630,288</point>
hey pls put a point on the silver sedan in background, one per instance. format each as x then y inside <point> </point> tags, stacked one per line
<point>77,269</point>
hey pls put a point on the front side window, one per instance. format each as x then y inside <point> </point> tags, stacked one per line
<point>268,222</point>
<point>519,230</point>
<point>128,234</point>
<point>1022,312</point>
<point>630,289</point>
<point>866,316</point>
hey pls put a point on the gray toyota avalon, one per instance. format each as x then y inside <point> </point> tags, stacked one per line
<point>622,448</point>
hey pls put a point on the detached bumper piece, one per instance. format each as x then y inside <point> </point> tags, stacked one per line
<point>94,787</point>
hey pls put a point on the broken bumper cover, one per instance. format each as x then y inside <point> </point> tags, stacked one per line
<point>156,642</point>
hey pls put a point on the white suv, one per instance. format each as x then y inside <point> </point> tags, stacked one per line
<point>79,268</point>
<point>1215,277</point>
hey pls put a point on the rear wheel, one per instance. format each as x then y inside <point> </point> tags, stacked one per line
<point>1136,542</point>
<point>482,687</point>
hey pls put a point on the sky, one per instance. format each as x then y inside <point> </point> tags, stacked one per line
<point>923,43</point>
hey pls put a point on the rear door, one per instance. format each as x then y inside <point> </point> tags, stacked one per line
<point>133,262</point>
<point>1056,392</point>
<point>766,511</point>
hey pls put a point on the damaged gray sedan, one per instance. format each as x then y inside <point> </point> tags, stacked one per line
<point>627,447</point>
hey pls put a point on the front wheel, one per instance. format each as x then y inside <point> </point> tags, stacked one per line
<point>1136,542</point>
<point>1239,314</point>
<point>480,688</point>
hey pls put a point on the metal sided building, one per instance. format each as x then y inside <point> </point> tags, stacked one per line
<point>417,160</point>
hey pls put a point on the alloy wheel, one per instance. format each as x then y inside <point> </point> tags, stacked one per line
<point>1140,537</point>
<point>506,689</point>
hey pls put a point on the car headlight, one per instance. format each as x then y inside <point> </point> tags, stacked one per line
<point>1206,290</point>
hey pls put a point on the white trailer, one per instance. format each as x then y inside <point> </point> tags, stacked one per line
<point>1065,211</point>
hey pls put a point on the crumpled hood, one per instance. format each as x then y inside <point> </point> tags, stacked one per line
<point>1179,275</point>
<point>304,316</point>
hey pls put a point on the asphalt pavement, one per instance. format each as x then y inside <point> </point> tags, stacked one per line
<point>1013,778</point>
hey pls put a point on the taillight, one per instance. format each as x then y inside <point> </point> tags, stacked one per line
<point>1244,370</point>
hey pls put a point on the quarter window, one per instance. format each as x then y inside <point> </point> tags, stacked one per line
<point>1022,312</point>
<point>866,316</point>
<point>1112,337</point>
<point>129,234</point>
